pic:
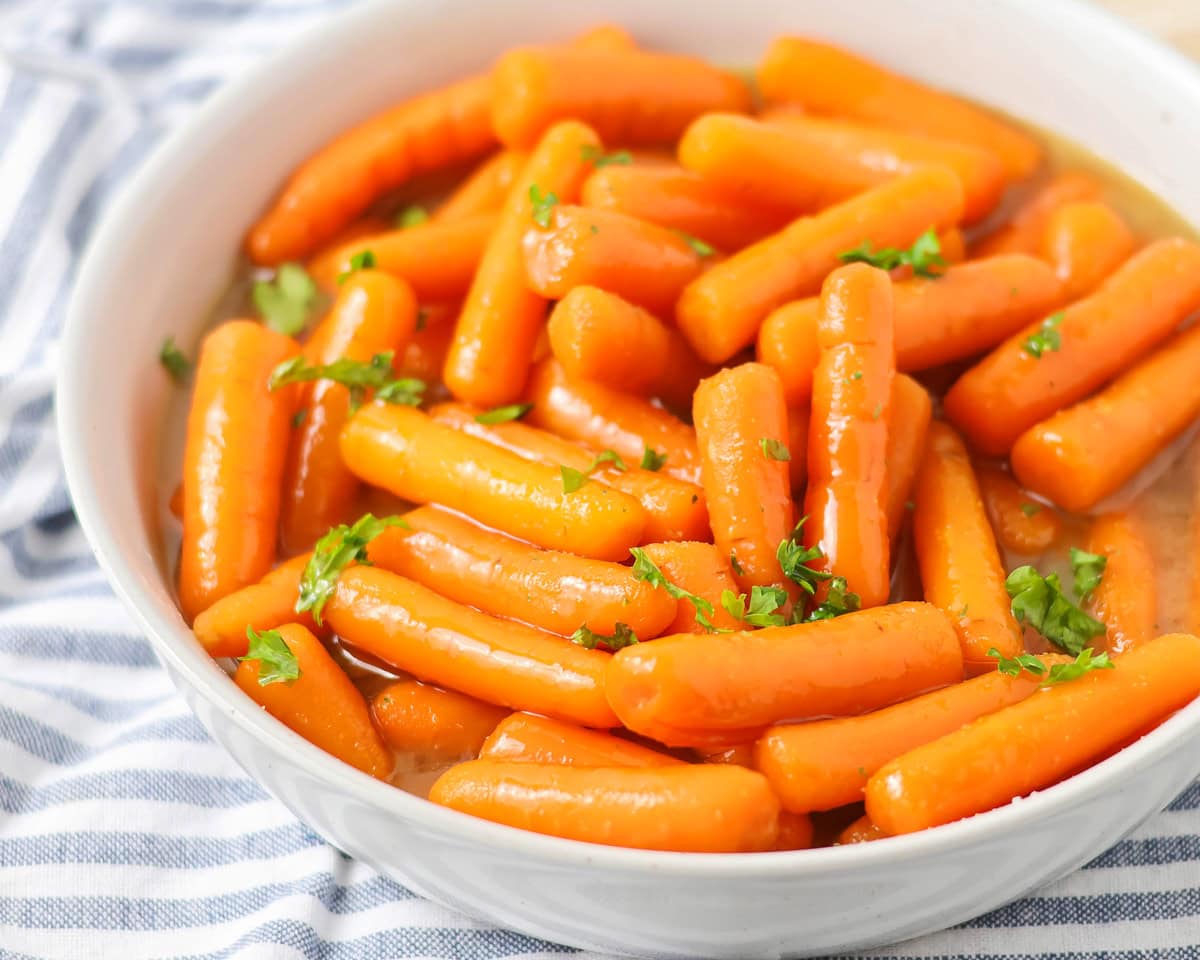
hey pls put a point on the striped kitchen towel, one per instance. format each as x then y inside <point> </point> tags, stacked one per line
<point>124,831</point>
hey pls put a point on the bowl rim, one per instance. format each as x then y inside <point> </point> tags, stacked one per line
<point>177,648</point>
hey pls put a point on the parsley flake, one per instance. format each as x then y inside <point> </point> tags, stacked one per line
<point>284,302</point>
<point>276,662</point>
<point>363,260</point>
<point>922,256</point>
<point>645,569</point>
<point>174,362</point>
<point>411,216</point>
<point>652,459</point>
<point>621,637</point>
<point>794,558</point>
<point>774,450</point>
<point>838,600</point>
<point>1088,569</point>
<point>574,479</point>
<point>762,609</point>
<point>595,155</point>
<point>1047,339</point>
<point>542,205</point>
<point>356,376</point>
<point>514,411</point>
<point>1040,602</point>
<point>340,547</point>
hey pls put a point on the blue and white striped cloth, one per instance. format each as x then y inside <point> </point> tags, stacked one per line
<point>124,831</point>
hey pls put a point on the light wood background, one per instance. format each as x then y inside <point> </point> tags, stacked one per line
<point>1177,21</point>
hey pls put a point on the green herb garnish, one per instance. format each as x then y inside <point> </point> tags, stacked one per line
<point>173,361</point>
<point>774,450</point>
<point>1040,602</point>
<point>543,205</point>
<point>340,547</point>
<point>514,411</point>
<point>284,302</point>
<point>621,637</point>
<point>1047,339</point>
<point>276,662</point>
<point>590,153</point>
<point>761,611</point>
<point>356,376</point>
<point>922,256</point>
<point>645,569</point>
<point>1088,569</point>
<point>652,459</point>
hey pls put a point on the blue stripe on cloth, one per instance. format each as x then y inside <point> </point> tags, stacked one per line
<point>48,643</point>
<point>42,740</point>
<point>162,786</point>
<point>1150,851</point>
<point>104,709</point>
<point>33,567</point>
<point>1102,908</point>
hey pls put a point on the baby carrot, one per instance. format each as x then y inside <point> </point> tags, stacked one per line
<point>1021,748</point>
<point>740,682</point>
<point>787,341</point>
<point>606,36</point>
<point>1024,230</point>
<point>445,643</point>
<point>608,419</point>
<point>1049,365</point>
<point>484,190</point>
<point>553,591</point>
<point>425,353</point>
<point>742,433</point>
<point>1021,524</point>
<point>912,411</point>
<point>702,570</point>
<point>532,739</point>
<point>846,502</point>
<point>414,717</point>
<point>322,264</point>
<point>1085,242</point>
<point>808,163</point>
<point>795,831</point>
<point>339,181</point>
<point>237,437</point>
<point>221,628</point>
<point>1126,599</point>
<point>862,830</point>
<point>675,509</point>
<point>829,80</point>
<point>374,313</point>
<point>799,420</point>
<point>961,570</point>
<point>498,327</point>
<point>321,703</point>
<point>721,310</point>
<point>628,96</point>
<point>1084,453</point>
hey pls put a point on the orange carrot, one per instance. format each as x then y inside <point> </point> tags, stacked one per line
<point>445,643</point>
<point>628,96</point>
<point>848,440</point>
<point>742,433</point>
<point>501,317</point>
<point>1024,231</point>
<point>1085,242</point>
<point>960,564</point>
<point>862,830</point>
<point>425,353</point>
<point>322,265</point>
<point>829,80</point>
<point>1013,388</point>
<point>799,418</point>
<point>402,450</point>
<point>702,570</point>
<point>736,683</point>
<point>484,190</point>
<point>912,411</point>
<point>787,341</point>
<point>1126,600</point>
<point>414,717</point>
<point>553,591</point>
<point>795,831</point>
<point>237,436</point>
<point>321,704</point>
<point>221,629</point>
<point>976,768</point>
<point>533,739</point>
<point>1086,452</point>
<point>1021,524</point>
<point>721,310</point>
<point>953,244</point>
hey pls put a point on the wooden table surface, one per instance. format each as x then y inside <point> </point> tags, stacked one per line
<point>1177,21</point>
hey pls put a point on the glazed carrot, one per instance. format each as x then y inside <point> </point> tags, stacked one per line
<point>795,831</point>
<point>953,244</point>
<point>829,80</point>
<point>485,190</point>
<point>862,830</point>
<point>321,704</point>
<point>738,682</point>
<point>237,436</point>
<point>742,432</point>
<point>445,643</point>
<point>644,263</point>
<point>322,267</point>
<point>553,591</point>
<point>373,313</point>
<point>682,200</point>
<point>912,410</point>
<point>425,353</point>
<point>628,96</point>
<point>826,763</point>
<point>1021,524</point>
<point>787,341</point>
<point>799,418</point>
<point>501,317</point>
<point>742,754</point>
<point>532,739</point>
<point>977,768</point>
<point>608,419</point>
<point>674,509</point>
<point>700,569</point>
<point>1126,600</point>
<point>1085,242</point>
<point>847,500</point>
<point>414,717</point>
<point>339,181</point>
<point>402,450</point>
<point>960,565</point>
<point>721,310</point>
<point>1084,453</point>
<point>1011,389</point>
<point>808,163</point>
<point>1024,231</point>
<point>221,629</point>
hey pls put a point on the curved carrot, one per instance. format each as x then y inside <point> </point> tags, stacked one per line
<point>415,718</point>
<point>846,502</point>
<point>321,704</point>
<point>977,768</point>
<point>221,628</point>
<point>484,189</point>
<point>960,565</point>
<point>911,413</point>
<point>553,591</point>
<point>237,436</point>
<point>628,96</point>
<point>498,327</point>
<point>1084,453</point>
<point>799,420</point>
<point>445,643</point>
<point>721,310</point>
<point>532,739</point>
<point>338,182</point>
<point>702,570</point>
<point>809,163</point>
<point>1021,524</point>
<point>1012,388</point>
<point>402,450</point>
<point>607,419</point>
<point>1085,242</point>
<point>1024,230</point>
<point>1126,599</point>
<point>829,80</point>
<point>742,433</point>
<point>740,682</point>
<point>373,313</point>
<point>862,830</point>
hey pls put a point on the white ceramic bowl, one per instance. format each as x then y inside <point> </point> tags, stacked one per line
<point>166,250</point>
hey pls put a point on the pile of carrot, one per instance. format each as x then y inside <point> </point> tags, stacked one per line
<point>697,468</point>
